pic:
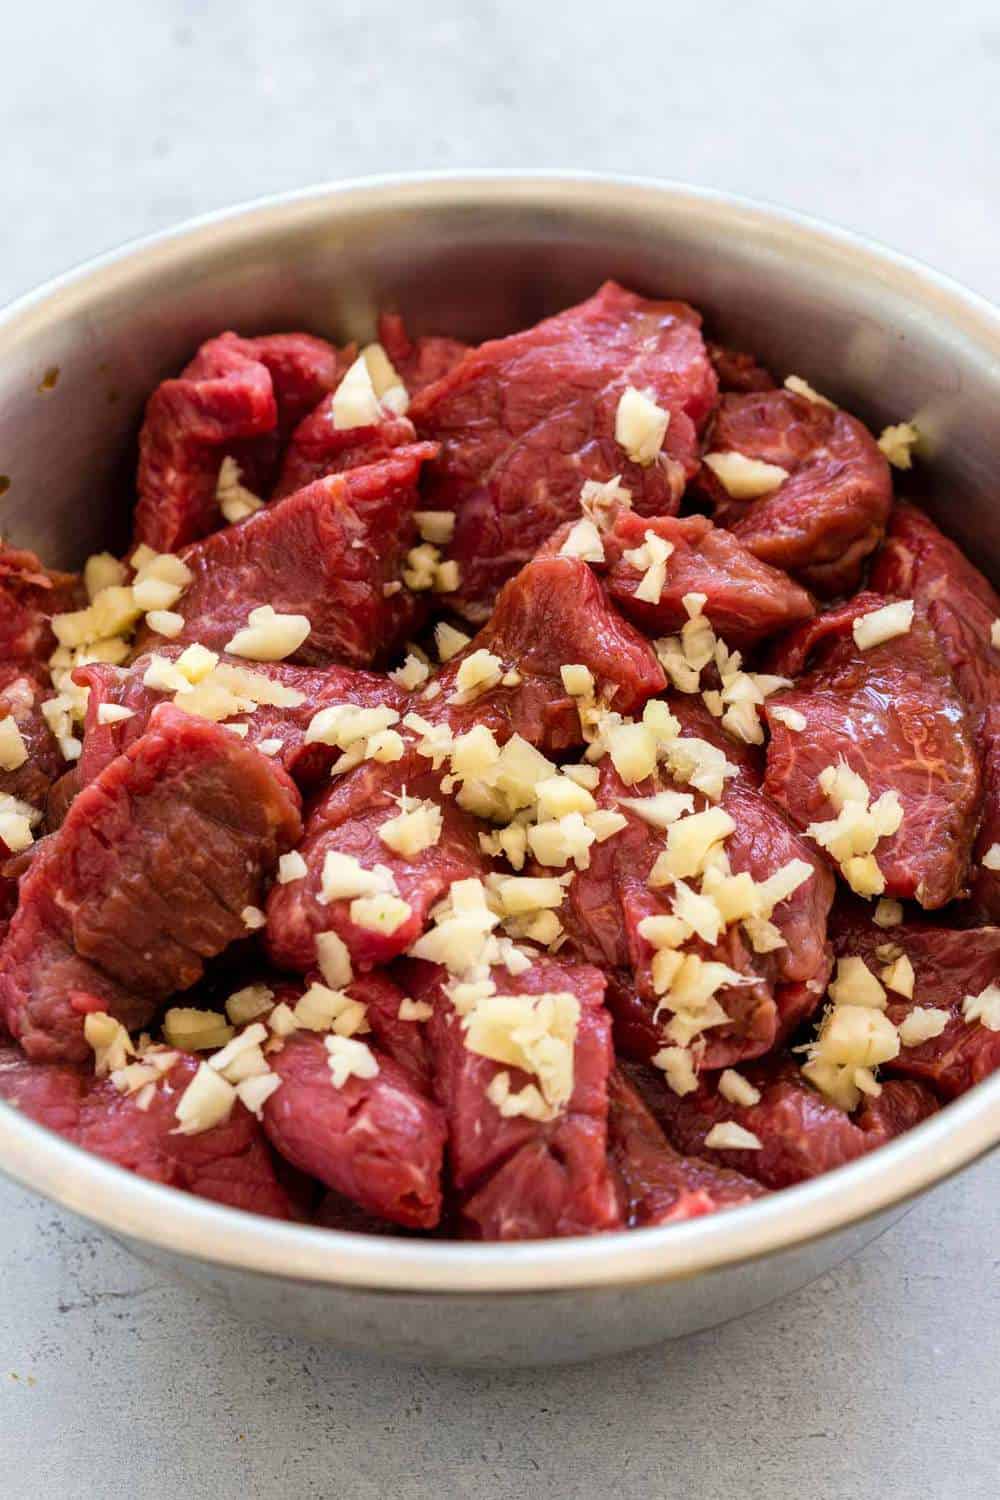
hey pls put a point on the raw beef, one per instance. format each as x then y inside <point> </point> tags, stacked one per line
<point>346,820</point>
<point>802,1135</point>
<point>238,398</point>
<point>231,1163</point>
<point>830,513</point>
<point>524,421</point>
<point>379,1141</point>
<point>329,552</point>
<point>892,712</point>
<point>521,1178</point>
<point>419,361</point>
<point>948,965</point>
<point>658,1185</point>
<point>554,611</point>
<point>29,596</point>
<point>737,371</point>
<point>307,763</point>
<point>147,877</point>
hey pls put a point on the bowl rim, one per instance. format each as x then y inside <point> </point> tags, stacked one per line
<point>197,1229</point>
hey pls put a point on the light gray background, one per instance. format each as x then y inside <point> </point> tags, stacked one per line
<point>123,117</point>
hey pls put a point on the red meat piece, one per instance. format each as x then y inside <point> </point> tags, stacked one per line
<point>21,698</point>
<point>524,421</point>
<point>830,513</point>
<point>329,552</point>
<point>230,1163</point>
<point>318,449</point>
<point>894,715</point>
<point>347,820</point>
<point>308,764</point>
<point>554,611</point>
<point>802,1135</point>
<point>947,965</point>
<point>406,1042</point>
<point>146,878</point>
<point>420,361</point>
<point>29,596</point>
<point>607,902</point>
<point>746,599</point>
<point>521,1178</point>
<point>239,398</point>
<point>918,562</point>
<point>658,1186</point>
<point>737,371</point>
<point>378,1141</point>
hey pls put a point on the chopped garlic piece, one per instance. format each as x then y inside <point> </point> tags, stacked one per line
<point>899,977</point>
<point>165,622</point>
<point>235,501</point>
<point>242,1057</point>
<point>476,674</point>
<point>633,751</point>
<point>416,828</point>
<point>984,1007</point>
<point>253,918</point>
<point>103,571</point>
<point>321,1008</point>
<point>995,634</point>
<point>248,1003</point>
<point>344,877</point>
<point>678,1067</point>
<point>883,624</point>
<point>109,1041</point>
<point>535,1033</point>
<point>745,478</point>
<point>436,526</point>
<point>728,1136</point>
<point>600,503</point>
<point>737,1089</point>
<point>196,1030</point>
<point>13,750</point>
<point>790,717</point>
<point>334,959</point>
<point>380,912</point>
<point>164,677</point>
<point>898,443</point>
<point>291,867</point>
<point>651,560</point>
<point>349,1058</point>
<point>577,679</point>
<point>888,913</point>
<point>269,636</point>
<point>253,1093</point>
<point>583,542</point>
<point>640,425</point>
<point>922,1024</point>
<point>114,713</point>
<point>412,674</point>
<point>355,403</point>
<point>991,859</point>
<point>414,1010</point>
<point>207,1101</point>
<point>855,984</point>
<point>691,842</point>
<point>800,387</point>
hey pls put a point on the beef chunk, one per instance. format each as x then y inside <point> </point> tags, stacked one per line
<point>238,398</point>
<point>737,371</point>
<point>230,1163</point>
<point>524,421</point>
<point>318,689</point>
<point>21,699</point>
<point>521,1178</point>
<point>658,1185</point>
<point>147,877</point>
<point>346,821</point>
<point>422,361</point>
<point>918,562</point>
<point>830,513</point>
<point>746,599</point>
<point>947,965</point>
<point>329,552</point>
<point>318,449</point>
<point>802,1135</point>
<point>379,1141</point>
<point>29,596</point>
<point>893,714</point>
<point>553,612</point>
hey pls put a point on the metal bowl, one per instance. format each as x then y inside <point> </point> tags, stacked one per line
<point>476,256</point>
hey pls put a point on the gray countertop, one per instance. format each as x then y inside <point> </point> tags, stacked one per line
<point>121,118</point>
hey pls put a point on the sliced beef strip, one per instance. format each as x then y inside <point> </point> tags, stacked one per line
<point>29,596</point>
<point>524,421</point>
<point>658,1185</point>
<point>894,715</point>
<point>919,562</point>
<point>802,1134</point>
<point>346,820</point>
<point>746,599</point>
<point>231,1163</point>
<point>737,371</point>
<point>830,513</point>
<point>553,612</point>
<point>419,361</point>
<point>329,552</point>
<point>238,398</point>
<point>147,877</point>
<point>948,965</point>
<point>21,699</point>
<point>320,688</point>
<point>379,1141</point>
<point>607,902</point>
<point>520,1178</point>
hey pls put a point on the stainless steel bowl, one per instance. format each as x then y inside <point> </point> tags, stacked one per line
<point>475,256</point>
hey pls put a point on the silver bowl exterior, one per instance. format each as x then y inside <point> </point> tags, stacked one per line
<point>476,256</point>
